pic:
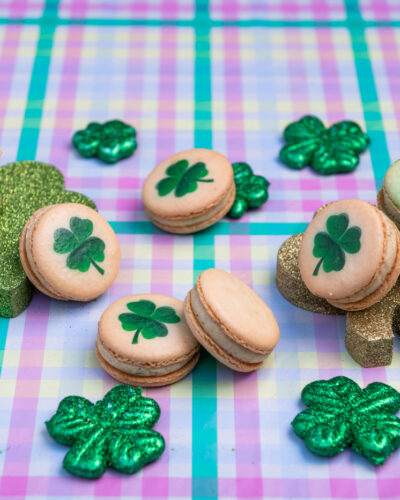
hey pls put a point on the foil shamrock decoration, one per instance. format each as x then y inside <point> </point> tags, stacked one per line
<point>251,190</point>
<point>327,150</point>
<point>115,432</point>
<point>341,414</point>
<point>111,142</point>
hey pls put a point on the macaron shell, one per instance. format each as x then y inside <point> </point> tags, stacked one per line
<point>212,347</point>
<point>188,227</point>
<point>361,267</point>
<point>391,184</point>
<point>384,289</point>
<point>386,205</point>
<point>51,267</point>
<point>203,198</point>
<point>156,381</point>
<point>238,310</point>
<point>176,346</point>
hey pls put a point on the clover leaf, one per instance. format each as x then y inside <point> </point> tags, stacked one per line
<point>341,414</point>
<point>182,179</point>
<point>112,141</point>
<point>147,319</point>
<point>327,151</point>
<point>114,432</point>
<point>83,248</point>
<point>330,247</point>
<point>251,190</point>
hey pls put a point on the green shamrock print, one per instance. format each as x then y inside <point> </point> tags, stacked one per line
<point>110,142</point>
<point>330,247</point>
<point>115,432</point>
<point>182,179</point>
<point>341,414</point>
<point>327,151</point>
<point>83,248</point>
<point>251,190</point>
<point>147,319</point>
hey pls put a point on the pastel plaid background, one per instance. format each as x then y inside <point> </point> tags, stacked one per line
<point>227,75</point>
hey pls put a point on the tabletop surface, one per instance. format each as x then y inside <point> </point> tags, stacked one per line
<point>227,75</point>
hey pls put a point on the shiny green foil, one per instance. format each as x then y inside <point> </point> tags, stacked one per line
<point>341,414</point>
<point>25,187</point>
<point>110,142</point>
<point>114,432</point>
<point>251,190</point>
<point>327,150</point>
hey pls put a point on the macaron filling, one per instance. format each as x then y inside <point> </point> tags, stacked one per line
<point>389,259</point>
<point>219,336</point>
<point>132,367</point>
<point>390,207</point>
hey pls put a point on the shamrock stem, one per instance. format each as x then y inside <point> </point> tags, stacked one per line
<point>101,271</point>
<point>205,180</point>
<point>136,337</point>
<point>318,266</point>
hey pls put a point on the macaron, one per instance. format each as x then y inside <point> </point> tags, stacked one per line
<point>230,320</point>
<point>349,254</point>
<point>389,194</point>
<point>69,252</point>
<point>144,340</point>
<point>189,191</point>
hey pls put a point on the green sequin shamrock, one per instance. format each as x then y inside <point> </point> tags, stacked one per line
<point>328,151</point>
<point>111,142</point>
<point>330,247</point>
<point>182,179</point>
<point>251,190</point>
<point>114,432</point>
<point>341,414</point>
<point>83,249</point>
<point>147,319</point>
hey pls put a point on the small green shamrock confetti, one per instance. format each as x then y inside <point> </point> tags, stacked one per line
<point>83,248</point>
<point>182,179</point>
<point>147,319</point>
<point>111,142</point>
<point>114,432</point>
<point>251,190</point>
<point>341,414</point>
<point>328,151</point>
<point>330,247</point>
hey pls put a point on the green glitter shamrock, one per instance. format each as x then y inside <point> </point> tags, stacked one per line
<point>251,190</point>
<point>182,179</point>
<point>328,151</point>
<point>147,319</point>
<point>341,414</point>
<point>111,142</point>
<point>330,247</point>
<point>25,187</point>
<point>83,248</point>
<point>114,432</point>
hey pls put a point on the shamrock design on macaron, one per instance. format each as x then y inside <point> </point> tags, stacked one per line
<point>115,432</point>
<point>327,150</point>
<point>341,414</point>
<point>147,319</point>
<point>182,179</point>
<point>330,247</point>
<point>83,249</point>
<point>110,142</point>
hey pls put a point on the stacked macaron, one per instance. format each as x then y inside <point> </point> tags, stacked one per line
<point>389,194</point>
<point>189,191</point>
<point>350,254</point>
<point>69,252</point>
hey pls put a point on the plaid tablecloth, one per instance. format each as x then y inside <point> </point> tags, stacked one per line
<point>227,75</point>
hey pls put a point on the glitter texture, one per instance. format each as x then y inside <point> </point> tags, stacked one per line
<point>110,142</point>
<point>327,151</point>
<point>251,190</point>
<point>114,432</point>
<point>341,414</point>
<point>24,188</point>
